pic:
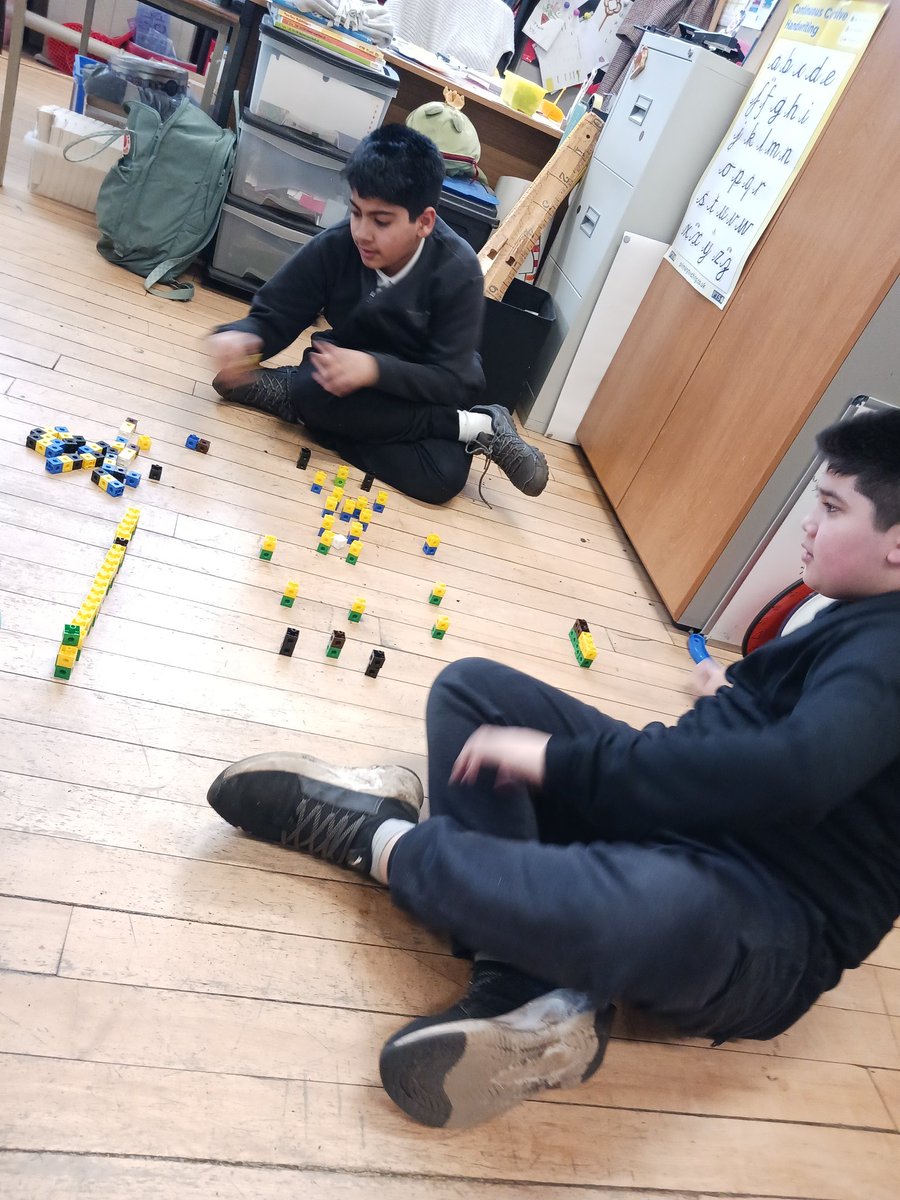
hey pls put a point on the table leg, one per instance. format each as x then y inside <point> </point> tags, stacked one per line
<point>16,34</point>
<point>87,22</point>
<point>212,71</point>
<point>243,40</point>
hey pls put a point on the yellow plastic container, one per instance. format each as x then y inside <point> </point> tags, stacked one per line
<point>521,94</point>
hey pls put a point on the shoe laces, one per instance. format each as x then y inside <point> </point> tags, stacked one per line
<point>508,450</point>
<point>474,448</point>
<point>324,831</point>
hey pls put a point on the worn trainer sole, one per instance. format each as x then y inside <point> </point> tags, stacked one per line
<point>462,1073</point>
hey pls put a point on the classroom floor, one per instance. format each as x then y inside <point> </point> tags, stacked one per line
<point>187,1013</point>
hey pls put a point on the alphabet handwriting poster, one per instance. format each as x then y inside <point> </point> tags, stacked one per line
<point>810,62</point>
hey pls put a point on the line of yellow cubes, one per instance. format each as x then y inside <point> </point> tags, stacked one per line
<point>82,623</point>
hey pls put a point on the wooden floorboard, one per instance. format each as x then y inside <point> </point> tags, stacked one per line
<point>185,1012</point>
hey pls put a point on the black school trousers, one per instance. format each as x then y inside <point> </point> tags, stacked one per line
<point>407,444</point>
<point>705,939</point>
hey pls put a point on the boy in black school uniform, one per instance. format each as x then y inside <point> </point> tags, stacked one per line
<point>721,873</point>
<point>393,386</point>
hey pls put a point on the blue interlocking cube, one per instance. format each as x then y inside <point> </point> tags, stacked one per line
<point>54,465</point>
<point>133,478</point>
<point>192,441</point>
<point>114,488</point>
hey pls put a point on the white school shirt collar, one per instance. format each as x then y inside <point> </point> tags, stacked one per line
<point>390,280</point>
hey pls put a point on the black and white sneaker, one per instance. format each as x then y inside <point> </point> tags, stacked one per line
<point>309,805</point>
<point>471,1064</point>
<point>523,465</point>
<point>268,392</point>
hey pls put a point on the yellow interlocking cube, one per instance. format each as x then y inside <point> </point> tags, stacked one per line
<point>587,646</point>
<point>67,656</point>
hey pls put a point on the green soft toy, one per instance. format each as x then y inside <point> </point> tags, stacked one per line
<point>453,134</point>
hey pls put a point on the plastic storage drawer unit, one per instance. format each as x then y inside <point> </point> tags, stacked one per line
<point>291,172</point>
<point>303,87</point>
<point>253,243</point>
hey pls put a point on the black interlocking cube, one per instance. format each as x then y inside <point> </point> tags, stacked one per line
<point>289,643</point>
<point>376,662</point>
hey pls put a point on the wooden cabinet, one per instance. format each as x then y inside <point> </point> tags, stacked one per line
<point>698,406</point>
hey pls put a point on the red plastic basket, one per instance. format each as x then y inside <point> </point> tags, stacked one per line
<point>62,56</point>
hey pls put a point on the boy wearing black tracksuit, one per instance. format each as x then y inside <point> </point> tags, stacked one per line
<point>393,386</point>
<point>721,873</point>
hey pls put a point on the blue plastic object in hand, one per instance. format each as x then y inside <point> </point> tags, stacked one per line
<point>697,647</point>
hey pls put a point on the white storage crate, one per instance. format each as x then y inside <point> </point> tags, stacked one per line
<point>253,242</point>
<point>75,180</point>
<point>290,171</point>
<point>303,87</point>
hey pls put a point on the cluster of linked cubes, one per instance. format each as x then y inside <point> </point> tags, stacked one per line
<point>111,463</point>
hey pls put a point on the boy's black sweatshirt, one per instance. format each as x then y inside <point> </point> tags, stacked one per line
<point>425,331</point>
<point>795,767</point>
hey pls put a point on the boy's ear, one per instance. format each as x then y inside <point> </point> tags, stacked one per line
<point>425,221</point>
<point>893,554</point>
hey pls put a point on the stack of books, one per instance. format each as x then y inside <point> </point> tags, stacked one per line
<point>345,43</point>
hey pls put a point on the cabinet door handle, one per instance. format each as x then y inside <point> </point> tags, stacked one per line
<point>640,109</point>
<point>589,222</point>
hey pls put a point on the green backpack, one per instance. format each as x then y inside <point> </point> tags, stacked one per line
<point>159,205</point>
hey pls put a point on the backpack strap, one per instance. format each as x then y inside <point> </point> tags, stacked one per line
<point>109,138</point>
<point>177,289</point>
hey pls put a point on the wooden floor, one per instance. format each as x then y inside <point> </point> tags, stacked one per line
<point>187,1013</point>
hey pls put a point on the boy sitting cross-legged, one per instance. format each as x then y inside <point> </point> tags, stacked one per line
<point>721,873</point>
<point>393,386</point>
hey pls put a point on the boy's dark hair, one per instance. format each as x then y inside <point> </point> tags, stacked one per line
<point>399,166</point>
<point>868,447</point>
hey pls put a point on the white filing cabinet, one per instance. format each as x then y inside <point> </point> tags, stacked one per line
<point>667,123</point>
